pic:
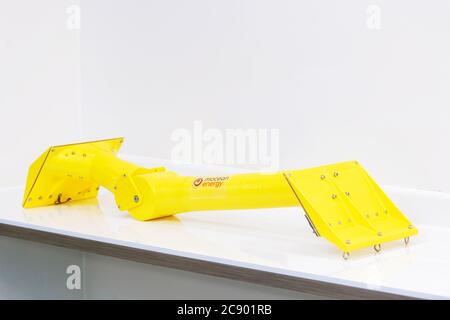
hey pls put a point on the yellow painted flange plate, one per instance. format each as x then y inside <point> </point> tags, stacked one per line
<point>63,173</point>
<point>347,207</point>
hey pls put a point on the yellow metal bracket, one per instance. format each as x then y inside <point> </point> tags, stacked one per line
<point>341,201</point>
<point>347,207</point>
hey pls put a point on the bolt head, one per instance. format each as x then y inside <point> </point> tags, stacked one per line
<point>336,174</point>
<point>322,177</point>
<point>136,198</point>
<point>334,196</point>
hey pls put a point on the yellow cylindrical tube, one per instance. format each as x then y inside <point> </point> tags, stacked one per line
<point>166,193</point>
<point>106,168</point>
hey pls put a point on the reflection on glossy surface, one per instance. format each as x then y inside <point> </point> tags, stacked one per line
<point>277,240</point>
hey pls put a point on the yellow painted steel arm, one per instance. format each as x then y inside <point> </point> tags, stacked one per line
<point>165,193</point>
<point>341,201</point>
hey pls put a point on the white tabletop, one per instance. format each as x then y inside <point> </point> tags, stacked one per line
<point>274,240</point>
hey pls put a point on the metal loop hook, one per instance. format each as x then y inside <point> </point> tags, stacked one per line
<point>406,240</point>
<point>345,255</point>
<point>58,201</point>
<point>377,247</point>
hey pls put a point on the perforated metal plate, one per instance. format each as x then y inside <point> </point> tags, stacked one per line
<point>63,173</point>
<point>345,206</point>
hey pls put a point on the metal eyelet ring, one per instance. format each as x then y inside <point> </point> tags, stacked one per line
<point>377,247</point>
<point>406,240</point>
<point>345,255</point>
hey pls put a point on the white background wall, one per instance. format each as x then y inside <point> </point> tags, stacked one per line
<point>336,89</point>
<point>39,83</point>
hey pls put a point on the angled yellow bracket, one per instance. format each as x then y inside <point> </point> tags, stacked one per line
<point>341,202</point>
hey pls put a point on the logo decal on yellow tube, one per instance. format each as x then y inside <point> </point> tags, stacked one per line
<point>197,182</point>
<point>214,182</point>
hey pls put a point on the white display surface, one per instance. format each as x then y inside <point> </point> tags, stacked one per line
<point>274,240</point>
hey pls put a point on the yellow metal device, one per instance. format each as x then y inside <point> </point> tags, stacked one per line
<point>341,202</point>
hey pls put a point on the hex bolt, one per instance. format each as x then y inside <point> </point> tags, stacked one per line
<point>136,198</point>
<point>410,226</point>
<point>322,177</point>
<point>336,174</point>
<point>348,242</point>
<point>334,196</point>
<point>347,193</point>
<point>380,233</point>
